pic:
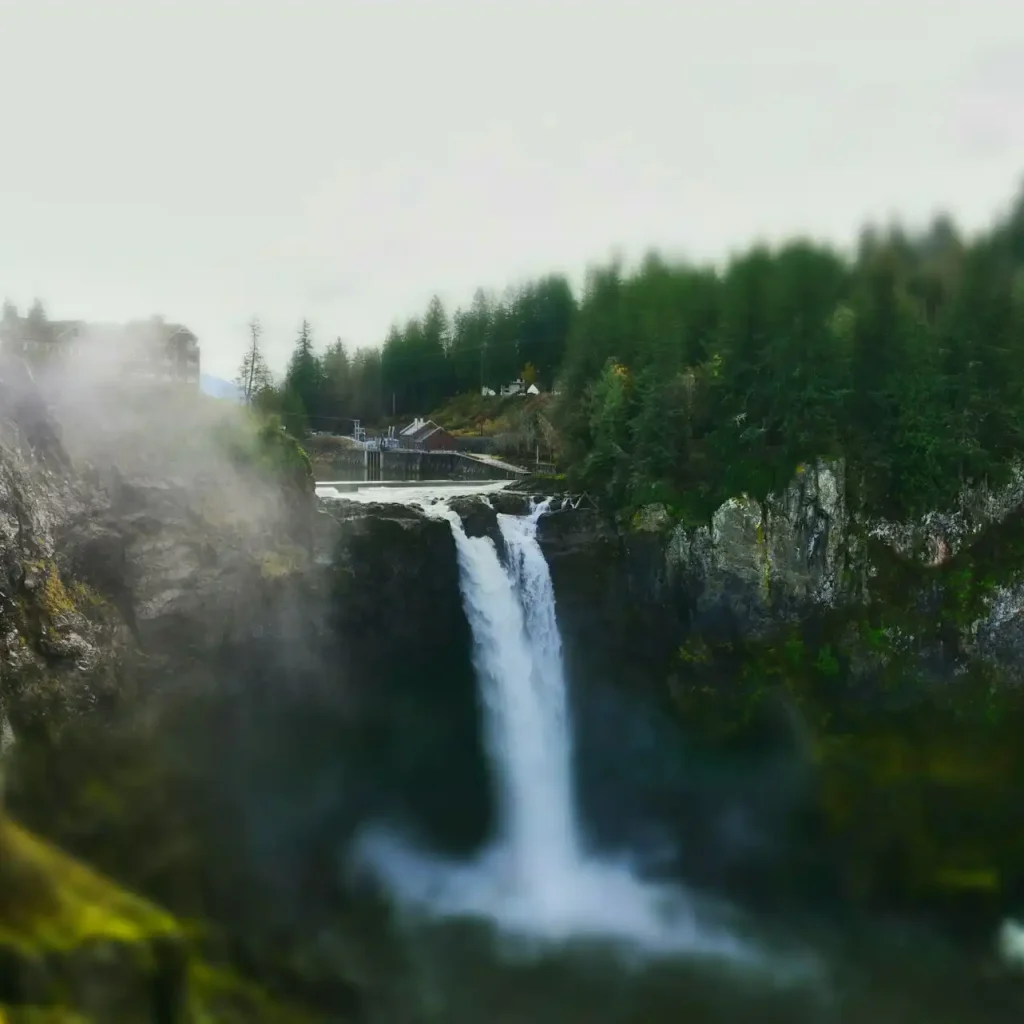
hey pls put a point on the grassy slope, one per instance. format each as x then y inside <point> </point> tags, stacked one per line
<point>52,909</point>
<point>477,415</point>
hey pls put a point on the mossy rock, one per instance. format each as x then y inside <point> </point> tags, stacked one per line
<point>50,901</point>
<point>931,814</point>
<point>76,947</point>
<point>71,939</point>
<point>221,997</point>
<point>284,561</point>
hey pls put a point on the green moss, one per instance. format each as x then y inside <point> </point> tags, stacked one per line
<point>51,906</point>
<point>52,597</point>
<point>978,880</point>
<point>222,997</point>
<point>695,652</point>
<point>282,562</point>
<point>50,902</point>
<point>86,599</point>
<point>52,601</point>
<point>929,812</point>
<point>918,782</point>
<point>262,443</point>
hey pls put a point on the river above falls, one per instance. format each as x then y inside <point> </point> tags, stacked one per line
<point>404,492</point>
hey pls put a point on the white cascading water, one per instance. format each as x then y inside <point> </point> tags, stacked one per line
<point>517,656</point>
<point>535,881</point>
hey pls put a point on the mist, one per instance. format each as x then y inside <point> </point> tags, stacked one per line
<point>115,417</point>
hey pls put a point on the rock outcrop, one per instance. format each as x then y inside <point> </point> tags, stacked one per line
<point>78,947</point>
<point>882,660</point>
<point>404,646</point>
<point>757,567</point>
<point>104,560</point>
<point>154,563</point>
<point>60,640</point>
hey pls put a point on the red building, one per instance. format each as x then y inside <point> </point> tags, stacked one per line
<point>427,436</point>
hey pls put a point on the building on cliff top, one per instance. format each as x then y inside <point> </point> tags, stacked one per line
<point>151,350</point>
<point>426,435</point>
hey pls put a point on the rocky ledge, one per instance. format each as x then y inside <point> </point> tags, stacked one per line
<point>147,554</point>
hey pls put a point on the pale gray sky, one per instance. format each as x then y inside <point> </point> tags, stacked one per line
<point>343,159</point>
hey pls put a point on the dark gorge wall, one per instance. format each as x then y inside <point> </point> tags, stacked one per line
<point>401,631</point>
<point>650,782</point>
<point>840,698</point>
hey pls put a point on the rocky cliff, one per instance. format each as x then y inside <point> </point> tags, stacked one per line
<point>109,554</point>
<point>885,657</point>
<point>147,551</point>
<point>758,567</point>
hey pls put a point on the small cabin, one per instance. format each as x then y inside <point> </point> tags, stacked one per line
<point>426,435</point>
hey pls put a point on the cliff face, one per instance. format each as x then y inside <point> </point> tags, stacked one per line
<point>137,592</point>
<point>656,582</point>
<point>404,646</point>
<point>109,568</point>
<point>756,568</point>
<point>61,641</point>
<point>883,658</point>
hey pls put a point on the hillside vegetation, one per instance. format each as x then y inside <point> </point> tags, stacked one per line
<point>75,947</point>
<point>685,384</point>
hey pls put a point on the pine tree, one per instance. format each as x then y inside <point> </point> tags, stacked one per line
<point>303,383</point>
<point>38,323</point>
<point>337,386</point>
<point>254,375</point>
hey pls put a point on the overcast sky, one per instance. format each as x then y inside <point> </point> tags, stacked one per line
<point>345,159</point>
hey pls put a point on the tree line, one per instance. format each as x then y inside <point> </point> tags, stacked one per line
<point>905,359</point>
<point>687,384</point>
<point>421,363</point>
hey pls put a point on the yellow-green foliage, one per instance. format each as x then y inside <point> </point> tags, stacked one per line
<point>886,791</point>
<point>475,415</point>
<point>918,782</point>
<point>54,598</point>
<point>221,997</point>
<point>49,901</point>
<point>85,598</point>
<point>254,441</point>
<point>282,562</point>
<point>52,905</point>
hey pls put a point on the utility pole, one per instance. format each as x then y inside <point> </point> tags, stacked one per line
<point>392,403</point>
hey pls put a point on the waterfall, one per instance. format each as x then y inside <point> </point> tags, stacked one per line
<point>518,660</point>
<point>535,880</point>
